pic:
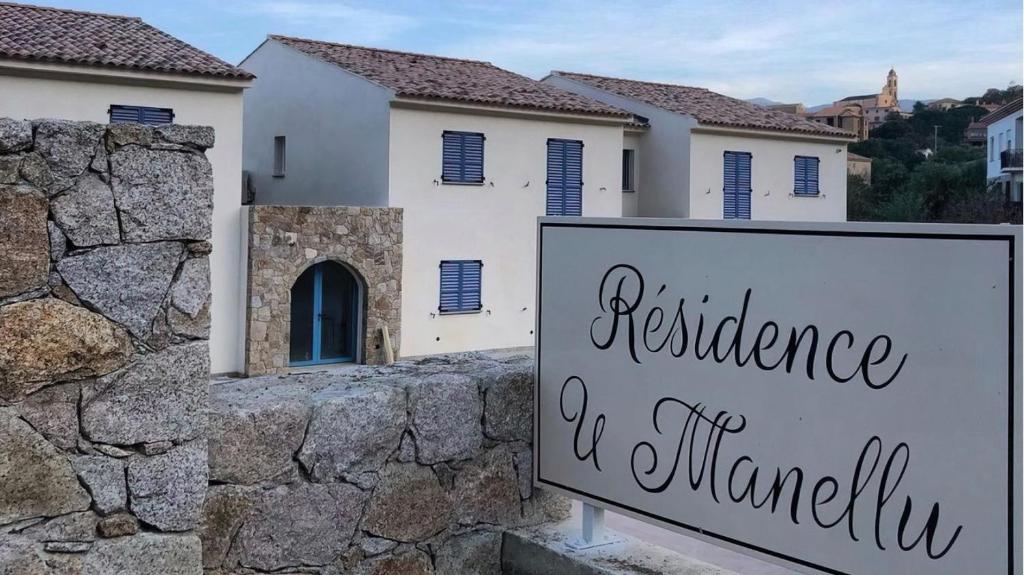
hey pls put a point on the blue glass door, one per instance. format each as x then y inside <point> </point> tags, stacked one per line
<point>325,316</point>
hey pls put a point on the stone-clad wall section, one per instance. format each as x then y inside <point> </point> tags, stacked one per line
<point>284,241</point>
<point>411,469</point>
<point>104,364</point>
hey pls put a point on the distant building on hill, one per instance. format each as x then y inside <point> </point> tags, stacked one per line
<point>944,104</point>
<point>789,108</point>
<point>859,114</point>
<point>857,165</point>
<point>976,133</point>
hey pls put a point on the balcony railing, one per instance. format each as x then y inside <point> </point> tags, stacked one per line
<point>1010,159</point>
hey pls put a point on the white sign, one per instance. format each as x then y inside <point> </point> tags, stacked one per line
<point>837,398</point>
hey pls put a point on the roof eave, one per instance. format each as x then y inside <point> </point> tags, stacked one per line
<point>775,133</point>
<point>114,74</point>
<point>447,105</point>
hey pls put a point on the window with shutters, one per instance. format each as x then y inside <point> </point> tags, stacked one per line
<point>565,178</point>
<point>460,286</point>
<point>805,176</point>
<point>628,170</point>
<point>736,189</point>
<point>140,115</point>
<point>462,157</point>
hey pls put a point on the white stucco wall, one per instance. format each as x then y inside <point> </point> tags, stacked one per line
<point>771,177</point>
<point>1005,134</point>
<point>335,125</point>
<point>35,97</point>
<point>496,222</point>
<point>664,151</point>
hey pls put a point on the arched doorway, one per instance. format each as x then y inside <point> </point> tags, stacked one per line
<point>325,316</point>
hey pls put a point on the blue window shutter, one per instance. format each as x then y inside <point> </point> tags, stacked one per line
<point>805,176</point>
<point>565,178</point>
<point>140,115</point>
<point>736,189</point>
<point>460,286</point>
<point>462,157</point>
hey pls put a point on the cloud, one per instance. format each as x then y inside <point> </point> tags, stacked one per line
<point>337,20</point>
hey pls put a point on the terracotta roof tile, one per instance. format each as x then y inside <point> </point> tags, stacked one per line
<point>53,35</point>
<point>1002,112</point>
<point>451,79</point>
<point>707,107</point>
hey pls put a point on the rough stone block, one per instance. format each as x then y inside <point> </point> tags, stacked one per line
<point>162,194</point>
<point>58,242</point>
<point>201,137</point>
<point>48,340</point>
<point>254,434</point>
<point>487,490</point>
<point>299,524</point>
<point>167,491</point>
<point>478,553</point>
<point>145,554</point>
<point>21,556</point>
<point>411,562</point>
<point>353,429</point>
<point>118,525</point>
<point>86,213</point>
<point>446,411</point>
<point>15,135</point>
<point>53,412</point>
<point>160,397</point>
<point>225,509</point>
<point>191,290</point>
<point>408,504</point>
<point>37,479</point>
<point>24,240</point>
<point>508,405</point>
<point>71,527</point>
<point>126,283</point>
<point>67,147</point>
<point>104,478</point>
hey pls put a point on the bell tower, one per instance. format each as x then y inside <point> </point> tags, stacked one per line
<point>890,85</point>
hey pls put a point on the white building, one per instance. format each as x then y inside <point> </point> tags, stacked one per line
<point>708,156</point>
<point>96,67</point>
<point>1004,138</point>
<point>472,154</point>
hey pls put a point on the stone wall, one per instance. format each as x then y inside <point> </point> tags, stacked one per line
<point>104,364</point>
<point>411,469</point>
<point>286,240</point>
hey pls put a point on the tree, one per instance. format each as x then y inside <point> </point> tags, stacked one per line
<point>919,106</point>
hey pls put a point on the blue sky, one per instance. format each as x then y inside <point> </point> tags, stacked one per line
<point>812,52</point>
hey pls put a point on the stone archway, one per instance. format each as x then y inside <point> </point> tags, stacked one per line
<point>285,241</point>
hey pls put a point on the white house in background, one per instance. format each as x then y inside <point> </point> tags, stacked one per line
<point>1004,133</point>
<point>96,67</point>
<point>707,156</point>
<point>472,153</point>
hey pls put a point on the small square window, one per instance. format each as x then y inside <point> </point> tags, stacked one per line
<point>628,170</point>
<point>280,157</point>
<point>460,286</point>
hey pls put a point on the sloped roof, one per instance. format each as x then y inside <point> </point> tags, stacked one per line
<point>707,107</point>
<point>862,97</point>
<point>413,75</point>
<point>52,35</point>
<point>850,156</point>
<point>1002,112</point>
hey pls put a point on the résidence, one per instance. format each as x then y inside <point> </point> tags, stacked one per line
<point>621,295</point>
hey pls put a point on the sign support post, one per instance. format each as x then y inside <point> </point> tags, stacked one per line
<point>593,532</point>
